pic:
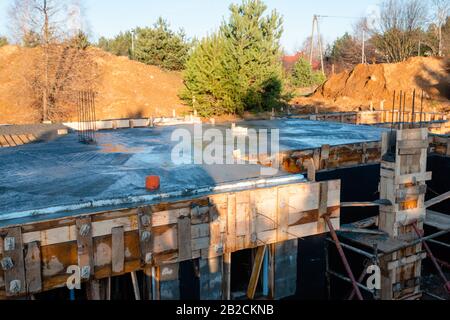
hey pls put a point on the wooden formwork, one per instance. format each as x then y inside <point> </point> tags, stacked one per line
<point>403,183</point>
<point>156,238</point>
<point>8,140</point>
<point>331,157</point>
<point>440,144</point>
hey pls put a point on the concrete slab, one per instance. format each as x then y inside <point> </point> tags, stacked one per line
<point>66,176</point>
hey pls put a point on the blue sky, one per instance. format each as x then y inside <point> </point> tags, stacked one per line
<point>199,17</point>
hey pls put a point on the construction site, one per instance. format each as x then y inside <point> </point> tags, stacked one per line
<point>342,194</point>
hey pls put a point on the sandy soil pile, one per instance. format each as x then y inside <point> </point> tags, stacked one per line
<point>375,83</point>
<point>126,89</point>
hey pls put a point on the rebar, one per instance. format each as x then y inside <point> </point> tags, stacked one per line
<point>86,117</point>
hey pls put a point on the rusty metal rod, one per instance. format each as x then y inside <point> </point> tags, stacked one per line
<point>360,279</point>
<point>343,257</point>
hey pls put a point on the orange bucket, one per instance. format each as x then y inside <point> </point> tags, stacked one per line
<point>152,183</point>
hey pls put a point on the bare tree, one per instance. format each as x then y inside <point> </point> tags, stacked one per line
<point>398,28</point>
<point>54,26</point>
<point>441,12</point>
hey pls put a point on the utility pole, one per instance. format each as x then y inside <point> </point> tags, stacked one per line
<point>314,26</point>
<point>312,40</point>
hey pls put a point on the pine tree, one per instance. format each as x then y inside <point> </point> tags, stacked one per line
<point>238,68</point>
<point>304,76</point>
<point>161,46</point>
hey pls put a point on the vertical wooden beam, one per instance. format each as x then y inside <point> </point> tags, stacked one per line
<point>231,223</point>
<point>283,214</point>
<point>324,156</point>
<point>85,247</point>
<point>156,283</point>
<point>323,207</point>
<point>272,271</point>
<point>184,239</point>
<point>259,258</point>
<point>311,167</point>
<point>118,250</point>
<point>33,268</point>
<point>146,237</point>
<point>136,290</point>
<point>13,263</point>
<point>226,290</point>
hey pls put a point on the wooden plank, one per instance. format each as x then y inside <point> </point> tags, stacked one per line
<point>231,223</point>
<point>413,144</point>
<point>85,247</point>
<point>283,213</point>
<point>165,238</point>
<point>259,258</point>
<point>311,170</point>
<point>413,178</point>
<point>33,268</point>
<point>226,287</point>
<point>13,257</point>
<point>9,140</point>
<point>405,193</point>
<point>437,220</point>
<point>31,137</point>
<point>118,250</point>
<point>437,200</point>
<point>24,138</point>
<point>3,142</point>
<point>16,140</point>
<point>185,239</point>
<point>146,235</point>
<point>324,156</point>
<point>323,206</point>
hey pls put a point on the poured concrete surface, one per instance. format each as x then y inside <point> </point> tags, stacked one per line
<point>65,172</point>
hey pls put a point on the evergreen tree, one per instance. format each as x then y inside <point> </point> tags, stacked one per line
<point>161,46</point>
<point>238,68</point>
<point>120,45</point>
<point>304,76</point>
<point>80,41</point>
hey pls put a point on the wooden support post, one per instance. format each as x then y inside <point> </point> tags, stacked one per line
<point>184,239</point>
<point>85,248</point>
<point>261,251</point>
<point>156,283</point>
<point>226,290</point>
<point>272,271</point>
<point>136,290</point>
<point>33,268</point>
<point>13,263</point>
<point>146,237</point>
<point>323,207</point>
<point>403,184</point>
<point>118,250</point>
<point>311,167</point>
<point>148,283</point>
<point>325,156</point>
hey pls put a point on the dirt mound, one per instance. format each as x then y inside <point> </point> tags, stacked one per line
<point>375,83</point>
<point>126,89</point>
